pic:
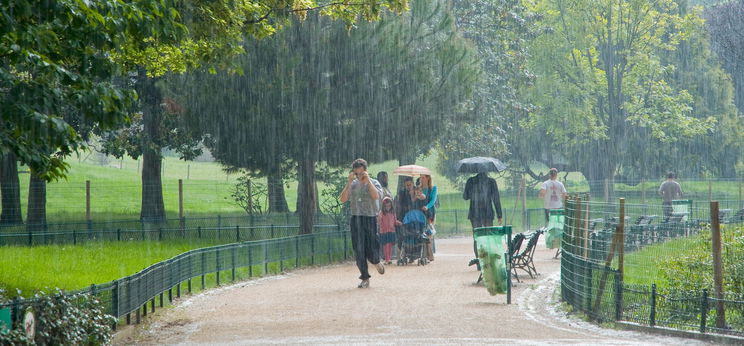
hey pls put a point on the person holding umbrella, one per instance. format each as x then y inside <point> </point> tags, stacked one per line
<point>364,193</point>
<point>482,192</point>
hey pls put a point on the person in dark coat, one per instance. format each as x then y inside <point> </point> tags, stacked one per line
<point>483,194</point>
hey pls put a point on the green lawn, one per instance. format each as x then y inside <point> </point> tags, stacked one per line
<point>73,267</point>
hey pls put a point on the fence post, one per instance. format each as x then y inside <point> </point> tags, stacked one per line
<point>160,234</point>
<point>118,234</point>
<point>203,269</point>
<point>232,262</point>
<point>115,303</point>
<point>181,220</point>
<point>237,234</point>
<point>345,246</point>
<point>297,252</point>
<point>457,229</point>
<point>652,318</point>
<point>250,261</point>
<point>621,243</point>
<point>621,261</point>
<point>88,220</point>
<point>217,266</point>
<point>74,237</point>
<point>618,296</point>
<point>272,231</point>
<point>717,264</point>
<point>704,311</point>
<point>198,232</point>
<point>266,258</point>
<point>219,221</point>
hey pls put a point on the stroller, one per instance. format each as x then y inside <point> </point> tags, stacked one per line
<point>413,239</point>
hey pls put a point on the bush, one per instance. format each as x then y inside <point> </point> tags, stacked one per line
<point>692,269</point>
<point>65,320</point>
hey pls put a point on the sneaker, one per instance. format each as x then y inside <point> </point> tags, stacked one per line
<point>380,268</point>
<point>364,284</point>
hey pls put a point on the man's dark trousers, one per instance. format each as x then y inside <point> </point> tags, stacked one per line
<point>365,242</point>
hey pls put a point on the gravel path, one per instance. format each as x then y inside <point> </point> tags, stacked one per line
<point>434,304</point>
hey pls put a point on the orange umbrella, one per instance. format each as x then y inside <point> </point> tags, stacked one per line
<point>412,170</point>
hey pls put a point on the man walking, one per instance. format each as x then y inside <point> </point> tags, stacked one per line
<point>669,191</point>
<point>483,193</point>
<point>364,194</point>
<point>552,193</point>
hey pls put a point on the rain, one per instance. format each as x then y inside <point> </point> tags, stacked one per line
<point>539,156</point>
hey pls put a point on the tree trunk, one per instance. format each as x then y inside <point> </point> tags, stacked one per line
<point>306,189</point>
<point>277,198</point>
<point>36,210</point>
<point>152,208</point>
<point>10,190</point>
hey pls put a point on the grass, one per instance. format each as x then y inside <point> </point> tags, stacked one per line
<point>72,267</point>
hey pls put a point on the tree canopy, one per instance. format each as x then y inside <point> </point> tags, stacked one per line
<point>319,93</point>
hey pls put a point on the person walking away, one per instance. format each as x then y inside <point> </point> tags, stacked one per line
<point>427,187</point>
<point>363,193</point>
<point>669,191</point>
<point>552,193</point>
<point>483,194</point>
<point>387,221</point>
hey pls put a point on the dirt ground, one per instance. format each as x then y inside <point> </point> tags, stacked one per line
<point>434,304</point>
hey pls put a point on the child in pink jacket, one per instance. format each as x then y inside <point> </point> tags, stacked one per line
<point>387,221</point>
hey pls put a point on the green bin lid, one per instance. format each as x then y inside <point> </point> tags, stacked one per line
<point>496,230</point>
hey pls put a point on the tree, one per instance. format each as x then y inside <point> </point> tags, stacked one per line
<point>10,191</point>
<point>319,93</point>
<point>500,31</point>
<point>55,65</point>
<point>216,30</point>
<point>602,83</point>
<point>725,24</point>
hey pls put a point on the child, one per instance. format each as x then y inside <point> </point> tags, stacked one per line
<point>387,221</point>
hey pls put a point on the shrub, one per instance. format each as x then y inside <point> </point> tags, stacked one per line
<point>65,320</point>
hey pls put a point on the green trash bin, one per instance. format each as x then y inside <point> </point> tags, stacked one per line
<point>554,229</point>
<point>492,255</point>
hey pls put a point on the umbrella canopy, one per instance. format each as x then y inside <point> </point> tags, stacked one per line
<point>479,165</point>
<point>412,170</point>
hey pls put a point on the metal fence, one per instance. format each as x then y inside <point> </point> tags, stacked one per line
<point>655,265</point>
<point>219,228</point>
<point>159,283</point>
<point>226,228</point>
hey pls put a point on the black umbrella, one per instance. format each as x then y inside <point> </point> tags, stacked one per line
<point>479,165</point>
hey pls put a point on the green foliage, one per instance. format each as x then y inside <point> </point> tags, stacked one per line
<point>604,82</point>
<point>692,269</point>
<point>54,62</point>
<point>249,195</point>
<point>500,32</point>
<point>66,320</point>
<point>335,180</point>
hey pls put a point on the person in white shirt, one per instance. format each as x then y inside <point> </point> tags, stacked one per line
<point>552,193</point>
